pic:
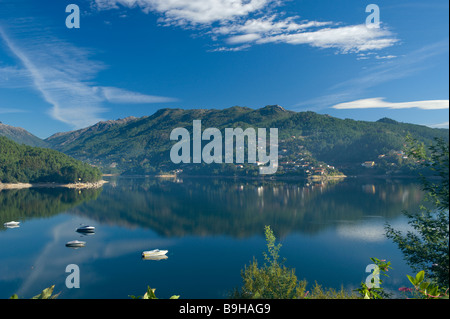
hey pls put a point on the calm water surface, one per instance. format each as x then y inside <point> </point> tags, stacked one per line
<point>212,229</point>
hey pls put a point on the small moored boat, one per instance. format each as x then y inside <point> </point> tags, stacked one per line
<point>153,253</point>
<point>86,229</point>
<point>11,224</point>
<point>75,244</point>
<point>160,257</point>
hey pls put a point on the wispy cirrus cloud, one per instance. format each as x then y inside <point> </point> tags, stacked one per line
<point>7,110</point>
<point>380,103</point>
<point>116,95</point>
<point>14,77</point>
<point>63,74</point>
<point>391,69</point>
<point>355,38</point>
<point>240,24</point>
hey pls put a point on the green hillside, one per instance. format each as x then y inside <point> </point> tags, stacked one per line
<point>27,164</point>
<point>142,145</point>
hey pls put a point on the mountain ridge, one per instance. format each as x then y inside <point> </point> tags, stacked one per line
<point>21,136</point>
<point>142,145</point>
<point>98,127</point>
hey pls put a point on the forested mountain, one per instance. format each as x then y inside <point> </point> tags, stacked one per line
<point>27,164</point>
<point>64,138</point>
<point>21,136</point>
<point>142,145</point>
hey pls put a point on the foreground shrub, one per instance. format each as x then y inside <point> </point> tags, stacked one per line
<point>273,280</point>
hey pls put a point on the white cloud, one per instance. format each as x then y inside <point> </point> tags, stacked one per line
<point>388,57</point>
<point>4,110</point>
<point>440,125</point>
<point>14,77</point>
<point>347,39</point>
<point>231,49</point>
<point>62,73</point>
<point>388,71</point>
<point>380,103</point>
<point>267,25</point>
<point>244,38</point>
<point>182,12</point>
<point>251,22</point>
<point>116,95</point>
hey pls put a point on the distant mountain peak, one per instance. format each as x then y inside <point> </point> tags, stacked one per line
<point>275,107</point>
<point>119,121</point>
<point>99,127</point>
<point>387,120</point>
<point>271,110</point>
<point>20,135</point>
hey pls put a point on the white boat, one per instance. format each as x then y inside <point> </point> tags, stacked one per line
<point>150,257</point>
<point>11,224</point>
<point>153,253</point>
<point>75,244</point>
<point>86,229</point>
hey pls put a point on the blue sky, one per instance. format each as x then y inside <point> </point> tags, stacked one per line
<point>133,57</point>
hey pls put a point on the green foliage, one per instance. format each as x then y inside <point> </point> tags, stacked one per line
<point>150,294</point>
<point>423,289</point>
<point>318,292</point>
<point>375,290</point>
<point>274,280</point>
<point>25,164</point>
<point>437,161</point>
<point>427,247</point>
<point>271,281</point>
<point>45,294</point>
<point>426,289</point>
<point>48,294</point>
<point>273,251</point>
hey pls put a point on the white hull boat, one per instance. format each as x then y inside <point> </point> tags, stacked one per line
<point>11,224</point>
<point>154,253</point>
<point>86,229</point>
<point>75,244</point>
<point>160,257</point>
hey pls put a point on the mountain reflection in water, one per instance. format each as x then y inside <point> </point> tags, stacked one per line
<point>217,207</point>
<point>242,208</point>
<point>211,227</point>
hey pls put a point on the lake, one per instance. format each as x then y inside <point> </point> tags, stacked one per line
<point>211,228</point>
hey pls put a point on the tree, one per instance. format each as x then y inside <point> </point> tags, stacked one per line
<point>27,164</point>
<point>427,247</point>
<point>274,280</point>
<point>271,281</point>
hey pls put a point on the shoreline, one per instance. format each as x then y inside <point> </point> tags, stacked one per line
<point>314,178</point>
<point>52,185</point>
<point>259,177</point>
